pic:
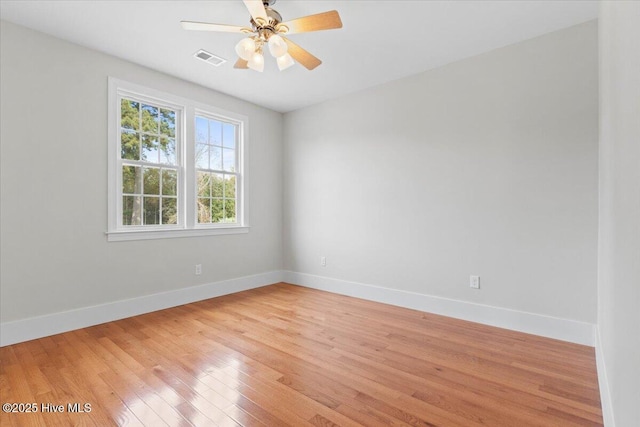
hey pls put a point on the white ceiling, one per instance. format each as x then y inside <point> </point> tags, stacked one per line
<point>380,40</point>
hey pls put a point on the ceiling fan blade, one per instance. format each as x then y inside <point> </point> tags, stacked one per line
<point>204,26</point>
<point>256,9</point>
<point>241,64</point>
<point>302,56</point>
<point>321,21</point>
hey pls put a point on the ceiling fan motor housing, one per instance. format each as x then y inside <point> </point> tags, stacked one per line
<point>266,29</point>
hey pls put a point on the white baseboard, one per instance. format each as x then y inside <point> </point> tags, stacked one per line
<point>603,383</point>
<point>537,324</point>
<point>553,327</point>
<point>42,326</point>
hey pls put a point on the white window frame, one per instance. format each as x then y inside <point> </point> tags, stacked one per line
<point>238,164</point>
<point>186,111</point>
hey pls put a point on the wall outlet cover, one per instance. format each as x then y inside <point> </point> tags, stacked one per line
<point>474,282</point>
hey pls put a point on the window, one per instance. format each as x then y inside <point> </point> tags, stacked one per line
<point>216,170</point>
<point>148,164</point>
<point>176,167</point>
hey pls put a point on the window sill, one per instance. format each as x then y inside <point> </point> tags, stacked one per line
<point>120,236</point>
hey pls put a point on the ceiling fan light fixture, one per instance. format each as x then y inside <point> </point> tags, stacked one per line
<point>277,46</point>
<point>285,61</point>
<point>246,48</point>
<point>256,62</point>
<point>266,27</point>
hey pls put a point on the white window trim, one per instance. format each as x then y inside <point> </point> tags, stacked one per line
<point>187,226</point>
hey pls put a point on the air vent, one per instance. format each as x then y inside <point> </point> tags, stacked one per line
<point>209,58</point>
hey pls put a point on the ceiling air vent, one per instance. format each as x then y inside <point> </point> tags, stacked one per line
<point>209,58</point>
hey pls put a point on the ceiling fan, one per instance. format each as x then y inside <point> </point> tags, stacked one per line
<point>267,28</point>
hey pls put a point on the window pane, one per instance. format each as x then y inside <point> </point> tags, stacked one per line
<point>216,185</point>
<point>230,186</point>
<point>202,130</point>
<point>150,118</point>
<point>204,184</point>
<point>202,156</point>
<point>151,181</point>
<point>229,135</point>
<point>129,114</point>
<point>215,132</point>
<point>131,180</point>
<point>229,210</point>
<point>169,182</point>
<point>204,211</point>
<point>167,150</point>
<point>150,148</point>
<point>217,210</point>
<point>216,158</point>
<point>169,211</point>
<point>168,123</point>
<point>229,158</point>
<point>131,210</point>
<point>129,145</point>
<point>151,210</point>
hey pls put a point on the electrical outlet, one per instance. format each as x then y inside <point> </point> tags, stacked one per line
<point>474,282</point>
<point>323,261</point>
<point>198,269</point>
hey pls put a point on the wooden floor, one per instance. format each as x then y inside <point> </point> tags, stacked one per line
<point>287,355</point>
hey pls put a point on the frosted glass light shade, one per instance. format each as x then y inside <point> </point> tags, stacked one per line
<point>246,48</point>
<point>256,62</point>
<point>285,61</point>
<point>277,46</point>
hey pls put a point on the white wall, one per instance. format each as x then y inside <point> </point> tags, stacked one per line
<point>619,245</point>
<point>54,253</point>
<point>485,166</point>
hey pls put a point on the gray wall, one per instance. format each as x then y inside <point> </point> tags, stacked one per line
<point>619,249</point>
<point>485,166</point>
<point>54,254</point>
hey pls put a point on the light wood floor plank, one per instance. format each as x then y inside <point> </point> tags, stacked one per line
<point>284,355</point>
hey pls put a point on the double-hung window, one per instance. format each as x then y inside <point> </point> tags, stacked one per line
<point>176,166</point>
<point>148,163</point>
<point>216,170</point>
